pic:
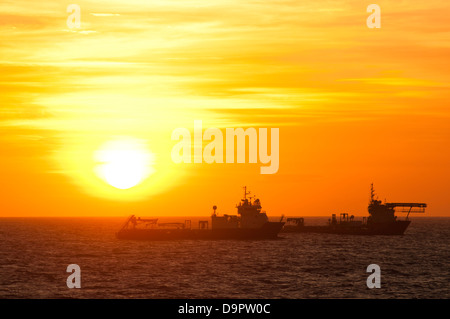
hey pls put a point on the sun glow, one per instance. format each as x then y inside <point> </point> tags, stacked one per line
<point>124,163</point>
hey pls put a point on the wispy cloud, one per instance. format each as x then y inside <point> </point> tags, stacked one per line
<point>105,14</point>
<point>224,55</point>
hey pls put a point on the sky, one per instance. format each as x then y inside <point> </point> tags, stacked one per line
<point>354,105</point>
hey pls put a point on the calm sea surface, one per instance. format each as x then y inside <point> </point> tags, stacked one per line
<point>35,252</point>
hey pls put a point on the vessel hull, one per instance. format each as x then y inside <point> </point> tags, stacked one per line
<point>395,228</point>
<point>269,230</point>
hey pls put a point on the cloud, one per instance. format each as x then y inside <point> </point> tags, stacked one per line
<point>105,14</point>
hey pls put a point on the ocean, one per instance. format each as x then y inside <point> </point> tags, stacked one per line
<point>35,253</point>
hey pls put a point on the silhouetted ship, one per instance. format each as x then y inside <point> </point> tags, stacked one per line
<point>381,220</point>
<point>250,223</point>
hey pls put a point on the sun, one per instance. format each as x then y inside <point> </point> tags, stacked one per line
<point>124,162</point>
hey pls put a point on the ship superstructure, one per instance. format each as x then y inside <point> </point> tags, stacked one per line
<point>249,215</point>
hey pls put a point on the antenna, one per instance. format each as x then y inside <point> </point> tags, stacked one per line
<point>245,192</point>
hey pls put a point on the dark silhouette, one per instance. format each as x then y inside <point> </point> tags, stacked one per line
<point>249,223</point>
<point>381,220</point>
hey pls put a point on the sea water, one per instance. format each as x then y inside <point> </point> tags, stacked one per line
<point>35,254</point>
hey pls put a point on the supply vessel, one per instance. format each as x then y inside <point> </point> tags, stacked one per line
<point>249,223</point>
<point>381,220</point>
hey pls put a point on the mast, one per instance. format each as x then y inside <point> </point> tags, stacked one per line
<point>245,192</point>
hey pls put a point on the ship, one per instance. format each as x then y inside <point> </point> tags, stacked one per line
<point>381,220</point>
<point>249,223</point>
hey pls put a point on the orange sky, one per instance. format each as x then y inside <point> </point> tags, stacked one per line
<point>354,105</point>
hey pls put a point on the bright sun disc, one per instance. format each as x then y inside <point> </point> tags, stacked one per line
<point>124,162</point>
